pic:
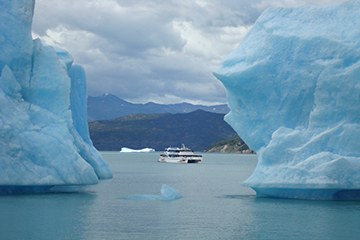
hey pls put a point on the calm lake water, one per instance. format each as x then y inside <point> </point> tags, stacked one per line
<point>214,206</point>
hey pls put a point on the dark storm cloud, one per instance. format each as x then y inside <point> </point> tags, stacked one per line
<point>151,50</point>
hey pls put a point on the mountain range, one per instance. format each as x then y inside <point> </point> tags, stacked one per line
<point>109,106</point>
<point>198,130</point>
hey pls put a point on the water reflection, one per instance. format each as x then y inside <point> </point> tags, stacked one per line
<point>271,218</point>
<point>45,216</point>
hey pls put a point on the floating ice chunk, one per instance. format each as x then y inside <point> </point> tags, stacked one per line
<point>293,90</point>
<point>144,150</point>
<point>167,194</point>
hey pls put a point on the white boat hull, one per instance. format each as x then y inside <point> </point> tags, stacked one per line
<point>166,159</point>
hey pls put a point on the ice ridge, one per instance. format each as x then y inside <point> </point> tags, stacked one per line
<point>44,140</point>
<point>293,87</point>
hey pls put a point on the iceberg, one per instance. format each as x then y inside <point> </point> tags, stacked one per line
<point>44,138</point>
<point>167,194</point>
<point>144,150</point>
<point>293,87</point>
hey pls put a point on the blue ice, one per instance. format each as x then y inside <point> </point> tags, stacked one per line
<point>44,139</point>
<point>167,194</point>
<point>293,87</point>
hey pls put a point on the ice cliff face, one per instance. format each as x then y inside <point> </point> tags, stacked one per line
<point>293,87</point>
<point>44,139</point>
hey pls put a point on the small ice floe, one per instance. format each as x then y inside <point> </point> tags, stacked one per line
<point>167,194</point>
<point>144,150</point>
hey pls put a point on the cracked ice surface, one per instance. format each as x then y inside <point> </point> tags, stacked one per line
<point>293,87</point>
<point>44,139</point>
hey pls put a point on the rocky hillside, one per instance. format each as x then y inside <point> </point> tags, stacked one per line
<point>235,145</point>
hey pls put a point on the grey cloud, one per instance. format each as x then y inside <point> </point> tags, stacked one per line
<point>151,49</point>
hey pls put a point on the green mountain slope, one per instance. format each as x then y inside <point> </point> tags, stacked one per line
<point>197,130</point>
<point>235,145</point>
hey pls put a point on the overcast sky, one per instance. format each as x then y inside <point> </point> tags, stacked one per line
<point>152,50</point>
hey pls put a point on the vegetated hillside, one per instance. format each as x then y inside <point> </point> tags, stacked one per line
<point>109,106</point>
<point>197,130</point>
<point>235,145</point>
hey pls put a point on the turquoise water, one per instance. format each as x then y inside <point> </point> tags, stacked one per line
<point>214,206</point>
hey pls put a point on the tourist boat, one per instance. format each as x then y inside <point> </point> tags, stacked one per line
<point>179,155</point>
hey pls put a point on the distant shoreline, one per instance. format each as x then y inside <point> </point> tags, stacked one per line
<point>235,145</point>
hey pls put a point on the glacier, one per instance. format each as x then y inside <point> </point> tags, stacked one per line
<point>43,127</point>
<point>293,88</point>
<point>167,194</point>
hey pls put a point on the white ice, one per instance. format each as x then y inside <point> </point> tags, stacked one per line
<point>144,150</point>
<point>293,86</point>
<point>167,194</point>
<point>44,139</point>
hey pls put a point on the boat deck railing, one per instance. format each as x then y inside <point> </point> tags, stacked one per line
<point>177,155</point>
